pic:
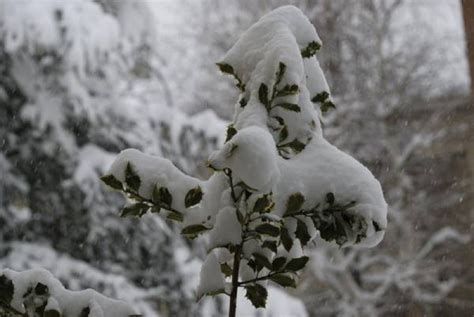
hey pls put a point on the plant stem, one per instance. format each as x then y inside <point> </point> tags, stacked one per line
<point>235,281</point>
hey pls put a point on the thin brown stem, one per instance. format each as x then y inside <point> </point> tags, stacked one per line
<point>235,281</point>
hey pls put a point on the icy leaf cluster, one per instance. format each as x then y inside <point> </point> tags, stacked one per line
<point>278,184</point>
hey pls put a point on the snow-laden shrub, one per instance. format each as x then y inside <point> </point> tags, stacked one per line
<point>278,184</point>
<point>38,293</point>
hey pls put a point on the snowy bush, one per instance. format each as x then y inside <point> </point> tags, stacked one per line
<point>278,184</point>
<point>36,293</point>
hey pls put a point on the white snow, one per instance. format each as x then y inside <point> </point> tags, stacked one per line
<point>226,230</point>
<point>211,278</point>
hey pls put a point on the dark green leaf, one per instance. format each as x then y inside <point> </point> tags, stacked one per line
<point>161,195</point>
<point>287,90</point>
<point>280,73</point>
<point>225,68</point>
<point>263,204</point>
<point>193,197</point>
<point>289,106</point>
<point>226,269</point>
<point>175,215</point>
<point>231,131</point>
<point>279,119</point>
<point>263,94</point>
<point>262,260</point>
<point>243,102</point>
<point>135,210</point>
<point>278,263</point>
<point>283,134</point>
<point>310,49</point>
<point>297,264</point>
<point>286,239</point>
<point>271,245</point>
<point>268,229</point>
<point>283,280</point>
<point>330,198</point>
<point>6,289</point>
<point>51,313</point>
<point>41,289</point>
<point>302,232</point>
<point>85,312</point>
<point>294,203</point>
<point>296,145</point>
<point>194,230</point>
<point>321,97</point>
<point>257,294</point>
<point>327,105</point>
<point>131,178</point>
<point>376,226</point>
<point>112,182</point>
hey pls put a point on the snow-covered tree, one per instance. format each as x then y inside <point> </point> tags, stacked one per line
<point>277,185</point>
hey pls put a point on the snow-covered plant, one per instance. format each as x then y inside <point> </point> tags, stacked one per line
<point>278,184</point>
<point>36,293</point>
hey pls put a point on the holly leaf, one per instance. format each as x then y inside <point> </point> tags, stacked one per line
<point>6,289</point>
<point>225,68</point>
<point>297,264</point>
<point>294,203</point>
<point>310,49</point>
<point>161,195</point>
<point>226,269</point>
<point>271,245</point>
<point>268,229</point>
<point>194,230</point>
<point>263,204</point>
<point>278,263</point>
<point>281,71</point>
<point>193,197</point>
<point>135,210</point>
<point>321,97</point>
<point>302,232</point>
<point>263,94</point>
<point>262,260</point>
<point>286,239</point>
<point>289,106</point>
<point>131,178</point>
<point>283,280</point>
<point>231,131</point>
<point>112,182</point>
<point>257,294</point>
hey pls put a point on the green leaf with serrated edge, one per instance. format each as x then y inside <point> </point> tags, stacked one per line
<point>271,245</point>
<point>280,73</point>
<point>131,178</point>
<point>161,195</point>
<point>288,106</point>
<point>194,229</point>
<point>175,215</point>
<point>225,68</point>
<point>321,97</point>
<point>231,131</point>
<point>193,197</point>
<point>278,263</point>
<point>257,294</point>
<point>135,210</point>
<point>262,260</point>
<point>297,264</point>
<point>302,232</point>
<point>286,239</point>
<point>268,229</point>
<point>226,269</point>
<point>263,204</point>
<point>330,198</point>
<point>112,182</point>
<point>6,289</point>
<point>294,203</point>
<point>376,226</point>
<point>283,280</point>
<point>263,94</point>
<point>283,134</point>
<point>310,49</point>
<point>51,313</point>
<point>296,145</point>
